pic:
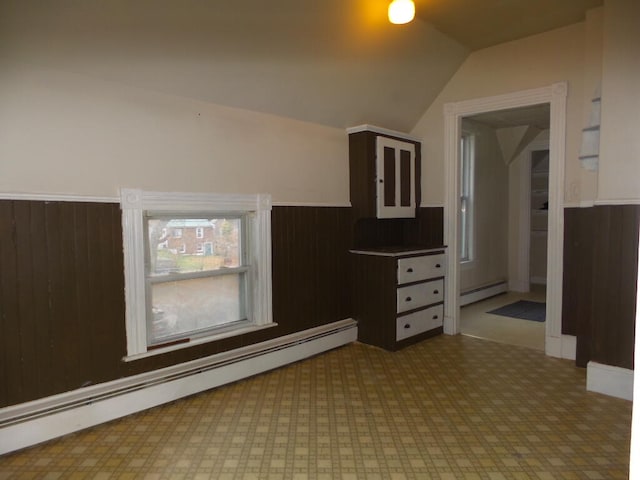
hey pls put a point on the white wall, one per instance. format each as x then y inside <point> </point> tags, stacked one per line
<point>68,133</point>
<point>533,62</point>
<point>619,172</point>
<point>588,184</point>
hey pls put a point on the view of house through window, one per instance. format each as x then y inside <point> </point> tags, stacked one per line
<point>196,274</point>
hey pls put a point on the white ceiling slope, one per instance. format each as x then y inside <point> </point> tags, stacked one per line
<point>482,23</point>
<point>332,62</point>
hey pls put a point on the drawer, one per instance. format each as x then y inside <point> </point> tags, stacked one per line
<point>418,322</point>
<point>419,295</point>
<point>414,269</point>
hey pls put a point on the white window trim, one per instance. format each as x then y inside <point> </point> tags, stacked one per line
<point>468,137</point>
<point>134,203</point>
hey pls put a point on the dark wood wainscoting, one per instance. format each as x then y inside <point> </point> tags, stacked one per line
<point>62,292</point>
<point>426,230</point>
<point>61,297</point>
<point>599,286</point>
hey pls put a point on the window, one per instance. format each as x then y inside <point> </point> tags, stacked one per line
<point>186,293</point>
<point>199,232</point>
<point>466,197</point>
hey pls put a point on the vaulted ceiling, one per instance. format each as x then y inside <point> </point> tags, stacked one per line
<point>333,62</point>
<point>483,23</point>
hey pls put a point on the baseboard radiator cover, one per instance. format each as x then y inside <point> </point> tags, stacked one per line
<point>34,422</point>
<point>482,293</point>
<point>610,380</point>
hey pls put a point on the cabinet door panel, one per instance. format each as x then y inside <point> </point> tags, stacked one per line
<point>418,322</point>
<point>414,269</point>
<point>419,295</point>
<point>406,178</point>
<point>395,178</point>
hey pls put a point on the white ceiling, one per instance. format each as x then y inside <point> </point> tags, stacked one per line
<point>333,62</point>
<point>483,23</point>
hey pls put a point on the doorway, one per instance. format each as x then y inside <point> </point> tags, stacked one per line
<point>505,202</point>
<point>555,96</point>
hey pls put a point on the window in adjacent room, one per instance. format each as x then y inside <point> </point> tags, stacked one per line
<point>466,197</point>
<point>178,292</point>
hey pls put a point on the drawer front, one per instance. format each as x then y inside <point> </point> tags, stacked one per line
<point>418,322</point>
<point>419,295</point>
<point>414,269</point>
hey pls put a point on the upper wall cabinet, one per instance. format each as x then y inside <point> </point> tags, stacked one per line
<point>384,173</point>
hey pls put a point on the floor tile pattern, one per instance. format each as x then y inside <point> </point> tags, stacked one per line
<point>448,408</point>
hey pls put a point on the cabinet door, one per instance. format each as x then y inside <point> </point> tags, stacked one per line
<point>395,178</point>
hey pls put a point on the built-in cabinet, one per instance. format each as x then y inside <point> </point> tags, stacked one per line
<point>399,296</point>
<point>384,173</point>
<point>398,284</point>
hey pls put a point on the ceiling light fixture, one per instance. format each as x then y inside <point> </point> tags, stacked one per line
<point>401,11</point>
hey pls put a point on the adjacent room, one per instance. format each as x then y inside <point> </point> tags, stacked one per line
<point>313,240</point>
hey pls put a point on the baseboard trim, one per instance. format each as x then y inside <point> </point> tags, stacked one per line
<point>35,422</point>
<point>609,380</point>
<point>482,293</point>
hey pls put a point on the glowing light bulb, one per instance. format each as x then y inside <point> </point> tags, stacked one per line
<point>401,11</point>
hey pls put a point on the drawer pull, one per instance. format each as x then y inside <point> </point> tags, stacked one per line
<point>435,292</point>
<point>407,325</point>
<point>409,270</point>
<point>437,265</point>
<point>408,299</point>
<point>435,317</point>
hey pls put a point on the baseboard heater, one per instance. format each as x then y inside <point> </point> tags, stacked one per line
<point>34,422</point>
<point>482,293</point>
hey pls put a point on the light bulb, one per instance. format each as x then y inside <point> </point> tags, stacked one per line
<point>401,11</point>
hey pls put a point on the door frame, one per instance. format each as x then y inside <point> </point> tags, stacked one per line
<point>556,96</point>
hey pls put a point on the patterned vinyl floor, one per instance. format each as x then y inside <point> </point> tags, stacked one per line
<point>447,408</point>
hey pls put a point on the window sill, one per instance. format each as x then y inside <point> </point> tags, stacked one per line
<point>198,341</point>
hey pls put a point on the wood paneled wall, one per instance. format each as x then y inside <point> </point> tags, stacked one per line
<point>62,292</point>
<point>61,297</point>
<point>426,230</point>
<point>311,283</point>
<point>599,286</point>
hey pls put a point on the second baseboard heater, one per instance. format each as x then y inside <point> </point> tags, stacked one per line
<point>482,293</point>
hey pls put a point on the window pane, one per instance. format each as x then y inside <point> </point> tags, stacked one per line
<point>186,245</point>
<point>192,305</point>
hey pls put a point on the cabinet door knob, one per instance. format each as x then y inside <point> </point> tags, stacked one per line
<point>437,265</point>
<point>407,325</point>
<point>380,181</point>
<point>435,292</point>
<point>408,299</point>
<point>409,270</point>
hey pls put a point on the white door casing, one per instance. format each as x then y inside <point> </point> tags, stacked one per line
<point>556,96</point>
